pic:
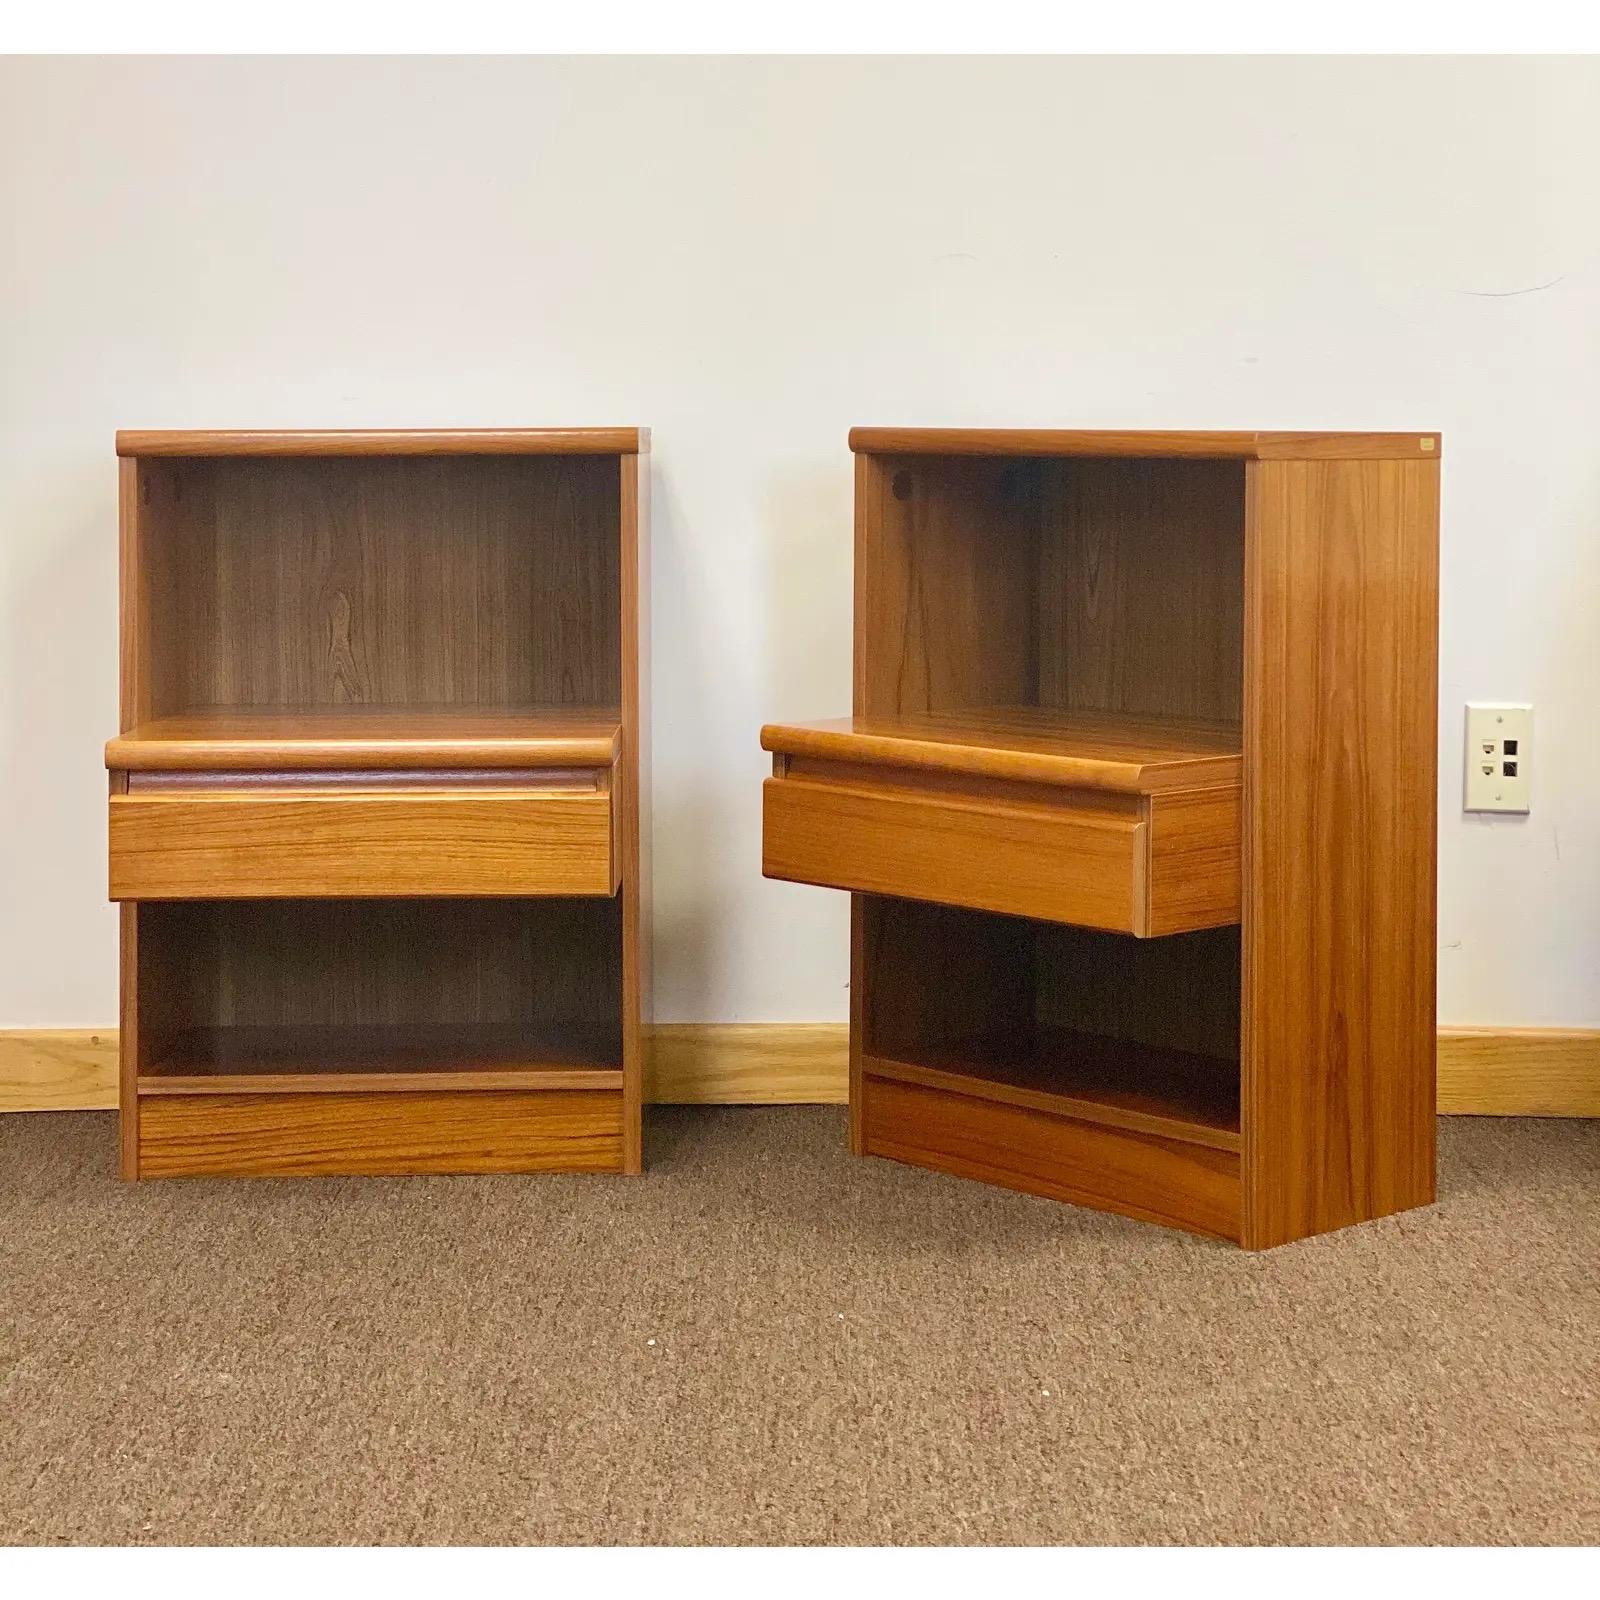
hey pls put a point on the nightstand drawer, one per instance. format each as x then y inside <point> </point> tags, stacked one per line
<point>1134,864</point>
<point>210,838</point>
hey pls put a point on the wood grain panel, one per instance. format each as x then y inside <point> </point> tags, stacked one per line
<point>1180,992</point>
<point>476,582</point>
<point>880,574</point>
<point>946,592</point>
<point>316,1135</point>
<point>488,968</point>
<point>1194,875</point>
<point>369,842</point>
<point>1340,751</point>
<point>870,975</point>
<point>382,441</point>
<point>1141,588</point>
<point>631,792</point>
<point>133,601</point>
<point>935,972</point>
<point>176,565</point>
<point>1084,864</point>
<point>1144,444</point>
<point>131,1039</point>
<point>1183,1185</point>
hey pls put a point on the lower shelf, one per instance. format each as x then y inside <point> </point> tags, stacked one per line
<point>1152,1134</point>
<point>378,1059</point>
<point>344,1134</point>
<point>300,1037</point>
<point>1174,1094</point>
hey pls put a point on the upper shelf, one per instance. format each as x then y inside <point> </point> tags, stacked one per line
<point>1225,446</point>
<point>1073,749</point>
<point>383,738</point>
<point>385,442</point>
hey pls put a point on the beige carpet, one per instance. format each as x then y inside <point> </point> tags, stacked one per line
<point>764,1341</point>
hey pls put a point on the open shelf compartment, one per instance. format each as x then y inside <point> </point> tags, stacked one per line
<point>495,1003</point>
<point>1108,1059</point>
<point>1068,585</point>
<point>242,988</point>
<point>471,583</point>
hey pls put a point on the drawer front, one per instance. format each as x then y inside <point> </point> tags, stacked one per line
<point>1084,864</point>
<point>223,845</point>
<point>1157,1180</point>
<point>310,1135</point>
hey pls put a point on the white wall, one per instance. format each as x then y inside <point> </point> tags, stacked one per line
<point>749,257</point>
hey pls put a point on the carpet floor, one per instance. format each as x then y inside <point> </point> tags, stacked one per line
<point>764,1341</point>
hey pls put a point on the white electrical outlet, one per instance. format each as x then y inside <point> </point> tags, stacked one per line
<point>1499,749</point>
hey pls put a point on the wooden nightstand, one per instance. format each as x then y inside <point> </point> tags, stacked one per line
<point>375,806</point>
<point>1137,810</point>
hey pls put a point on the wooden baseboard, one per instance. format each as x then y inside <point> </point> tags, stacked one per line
<point>58,1069</point>
<point>755,1063</point>
<point>1523,1072</point>
<point>685,1064</point>
<point>1519,1072</point>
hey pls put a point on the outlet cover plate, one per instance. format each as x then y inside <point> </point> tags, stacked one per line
<point>1498,756</point>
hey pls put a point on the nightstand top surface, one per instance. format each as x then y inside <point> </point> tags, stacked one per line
<point>384,442</point>
<point>1096,442</point>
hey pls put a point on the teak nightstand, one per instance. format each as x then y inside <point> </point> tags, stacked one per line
<point>375,806</point>
<point>1137,809</point>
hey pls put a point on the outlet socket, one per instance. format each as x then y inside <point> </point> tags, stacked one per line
<point>1499,754</point>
